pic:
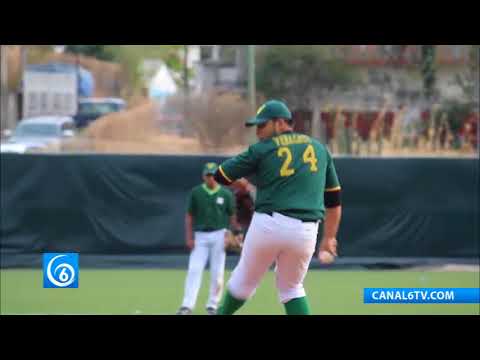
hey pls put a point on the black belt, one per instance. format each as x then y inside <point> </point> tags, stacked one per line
<point>208,230</point>
<point>270,213</point>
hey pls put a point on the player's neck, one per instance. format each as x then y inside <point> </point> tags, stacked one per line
<point>213,186</point>
<point>285,131</point>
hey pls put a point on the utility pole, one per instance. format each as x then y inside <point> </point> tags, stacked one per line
<point>429,71</point>
<point>186,90</point>
<point>185,71</point>
<point>251,77</point>
<point>77,77</point>
<point>251,88</point>
<point>4,88</point>
<point>24,60</point>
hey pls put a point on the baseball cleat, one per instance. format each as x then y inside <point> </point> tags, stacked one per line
<point>211,311</point>
<point>184,311</point>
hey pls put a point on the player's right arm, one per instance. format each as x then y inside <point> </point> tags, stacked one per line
<point>189,238</point>
<point>238,167</point>
<point>330,229</point>
<point>333,205</point>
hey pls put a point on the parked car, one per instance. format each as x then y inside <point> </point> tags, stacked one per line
<point>90,109</point>
<point>35,134</point>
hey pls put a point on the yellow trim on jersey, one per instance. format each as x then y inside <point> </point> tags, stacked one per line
<point>211,191</point>
<point>338,188</point>
<point>224,175</point>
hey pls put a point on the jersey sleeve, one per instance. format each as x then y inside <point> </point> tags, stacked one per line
<point>191,204</point>
<point>240,166</point>
<point>331,182</point>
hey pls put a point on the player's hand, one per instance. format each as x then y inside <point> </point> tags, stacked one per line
<point>239,240</point>
<point>241,182</point>
<point>233,242</point>
<point>330,245</point>
<point>190,244</point>
<point>246,185</point>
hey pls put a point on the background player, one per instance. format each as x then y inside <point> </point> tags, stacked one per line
<point>210,210</point>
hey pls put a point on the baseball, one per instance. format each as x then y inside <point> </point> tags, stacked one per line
<point>326,257</point>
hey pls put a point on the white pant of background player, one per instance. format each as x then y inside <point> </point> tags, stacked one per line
<point>208,246</point>
<point>288,242</point>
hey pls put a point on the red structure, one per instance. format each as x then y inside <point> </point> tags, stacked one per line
<point>365,121</point>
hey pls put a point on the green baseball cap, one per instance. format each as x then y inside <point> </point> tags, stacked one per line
<point>270,110</point>
<point>210,169</point>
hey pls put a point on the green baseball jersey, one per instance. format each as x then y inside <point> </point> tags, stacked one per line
<point>292,172</point>
<point>210,209</point>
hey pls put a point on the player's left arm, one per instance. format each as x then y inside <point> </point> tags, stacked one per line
<point>189,221</point>
<point>238,167</point>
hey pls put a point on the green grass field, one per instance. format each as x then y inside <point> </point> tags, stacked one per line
<point>159,292</point>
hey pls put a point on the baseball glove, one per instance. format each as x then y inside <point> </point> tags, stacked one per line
<point>233,243</point>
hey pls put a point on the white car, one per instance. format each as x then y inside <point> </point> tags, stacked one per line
<point>35,134</point>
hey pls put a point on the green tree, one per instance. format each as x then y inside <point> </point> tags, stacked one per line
<point>468,79</point>
<point>298,73</point>
<point>428,64</point>
<point>131,57</point>
<point>101,52</point>
<point>429,70</point>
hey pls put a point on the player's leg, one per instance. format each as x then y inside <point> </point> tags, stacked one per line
<point>292,266</point>
<point>259,252</point>
<point>217,268</point>
<point>196,265</point>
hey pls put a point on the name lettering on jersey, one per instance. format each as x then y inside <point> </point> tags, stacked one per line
<point>291,139</point>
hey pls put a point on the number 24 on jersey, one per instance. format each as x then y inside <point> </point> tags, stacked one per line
<point>309,157</point>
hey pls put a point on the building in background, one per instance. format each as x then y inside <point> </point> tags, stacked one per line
<point>220,68</point>
<point>388,71</point>
<point>393,72</point>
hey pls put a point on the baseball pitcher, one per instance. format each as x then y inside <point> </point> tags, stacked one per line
<point>297,188</point>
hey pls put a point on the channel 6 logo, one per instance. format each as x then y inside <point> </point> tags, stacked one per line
<point>60,270</point>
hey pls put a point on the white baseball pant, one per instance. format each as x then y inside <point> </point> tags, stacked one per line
<point>208,246</point>
<point>288,242</point>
